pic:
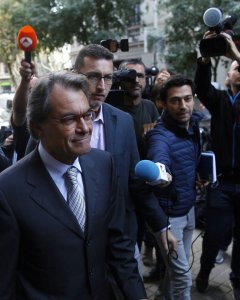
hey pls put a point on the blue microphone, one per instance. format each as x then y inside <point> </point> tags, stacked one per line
<point>152,173</point>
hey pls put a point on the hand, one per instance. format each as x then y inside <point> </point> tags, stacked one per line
<point>232,52</point>
<point>8,141</point>
<point>207,35</point>
<point>168,241</point>
<point>27,70</point>
<point>169,178</point>
<point>163,76</point>
<point>147,127</point>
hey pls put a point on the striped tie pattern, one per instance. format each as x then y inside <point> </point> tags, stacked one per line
<point>75,196</point>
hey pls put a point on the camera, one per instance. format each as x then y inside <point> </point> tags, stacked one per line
<point>116,95</point>
<point>114,45</point>
<point>217,46</point>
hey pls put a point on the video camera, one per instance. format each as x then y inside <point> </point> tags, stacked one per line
<point>116,94</point>
<point>217,46</point>
<point>130,75</point>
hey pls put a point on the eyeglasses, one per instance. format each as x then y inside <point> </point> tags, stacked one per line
<point>94,78</point>
<point>71,121</point>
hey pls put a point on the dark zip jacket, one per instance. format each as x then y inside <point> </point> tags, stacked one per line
<point>178,149</point>
<point>225,122</point>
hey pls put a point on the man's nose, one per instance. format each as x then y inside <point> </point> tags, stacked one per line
<point>82,125</point>
<point>182,103</point>
<point>101,83</point>
<point>137,79</point>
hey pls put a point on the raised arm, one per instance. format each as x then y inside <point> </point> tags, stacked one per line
<point>27,72</point>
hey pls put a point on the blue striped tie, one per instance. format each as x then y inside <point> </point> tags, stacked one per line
<point>75,196</point>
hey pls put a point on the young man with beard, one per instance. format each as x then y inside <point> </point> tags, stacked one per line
<point>175,142</point>
<point>223,202</point>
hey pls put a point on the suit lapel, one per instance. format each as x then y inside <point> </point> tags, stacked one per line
<point>46,194</point>
<point>110,120</point>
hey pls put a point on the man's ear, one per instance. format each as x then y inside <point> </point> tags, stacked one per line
<point>36,129</point>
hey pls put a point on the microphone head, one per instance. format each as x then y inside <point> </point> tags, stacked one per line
<point>212,17</point>
<point>27,38</point>
<point>147,170</point>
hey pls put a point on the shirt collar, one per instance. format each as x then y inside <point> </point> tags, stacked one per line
<point>99,117</point>
<point>54,166</point>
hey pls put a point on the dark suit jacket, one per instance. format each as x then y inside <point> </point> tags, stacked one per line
<point>43,252</point>
<point>121,142</point>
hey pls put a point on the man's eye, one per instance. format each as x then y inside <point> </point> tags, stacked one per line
<point>68,120</point>
<point>188,99</point>
<point>92,76</point>
<point>108,77</point>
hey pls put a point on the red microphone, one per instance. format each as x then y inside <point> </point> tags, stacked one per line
<point>27,41</point>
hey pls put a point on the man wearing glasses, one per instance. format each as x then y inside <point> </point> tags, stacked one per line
<point>61,209</point>
<point>113,131</point>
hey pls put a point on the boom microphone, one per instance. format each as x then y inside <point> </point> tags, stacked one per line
<point>152,173</point>
<point>27,41</point>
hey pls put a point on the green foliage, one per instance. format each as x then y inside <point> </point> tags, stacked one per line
<point>185,28</point>
<point>57,22</point>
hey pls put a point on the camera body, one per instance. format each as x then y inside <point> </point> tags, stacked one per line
<point>116,94</point>
<point>218,46</point>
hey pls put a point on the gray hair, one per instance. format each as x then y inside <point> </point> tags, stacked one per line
<point>39,106</point>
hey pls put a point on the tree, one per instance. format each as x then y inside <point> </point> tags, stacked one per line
<point>8,33</point>
<point>185,29</point>
<point>57,22</point>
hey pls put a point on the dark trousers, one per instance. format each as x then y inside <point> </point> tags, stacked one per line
<point>223,208</point>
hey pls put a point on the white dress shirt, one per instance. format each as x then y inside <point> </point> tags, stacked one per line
<point>57,169</point>
<point>98,138</point>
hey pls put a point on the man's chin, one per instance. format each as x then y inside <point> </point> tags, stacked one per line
<point>95,104</point>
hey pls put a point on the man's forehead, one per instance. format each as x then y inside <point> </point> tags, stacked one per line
<point>135,66</point>
<point>96,63</point>
<point>185,90</point>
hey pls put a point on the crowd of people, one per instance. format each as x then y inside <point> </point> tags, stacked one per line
<point>73,213</point>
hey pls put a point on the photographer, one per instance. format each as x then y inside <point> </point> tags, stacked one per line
<point>143,111</point>
<point>223,197</point>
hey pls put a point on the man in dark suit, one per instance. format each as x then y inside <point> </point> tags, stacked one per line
<point>113,131</point>
<point>45,251</point>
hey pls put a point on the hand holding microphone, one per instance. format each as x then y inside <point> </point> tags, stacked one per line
<point>153,173</point>
<point>27,41</point>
